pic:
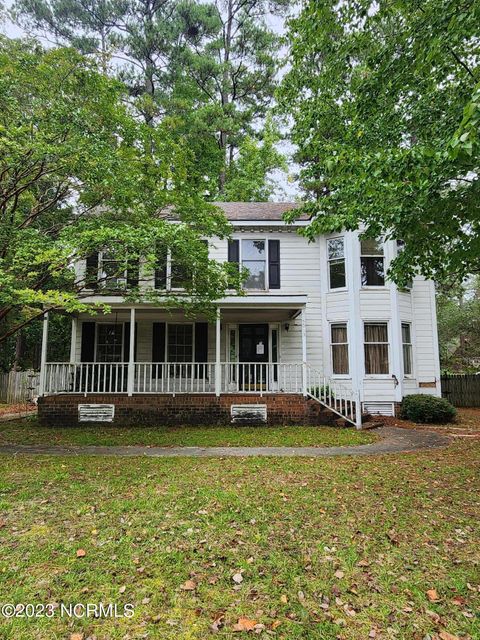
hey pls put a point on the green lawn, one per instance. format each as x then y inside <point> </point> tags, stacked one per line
<point>29,432</point>
<point>337,548</point>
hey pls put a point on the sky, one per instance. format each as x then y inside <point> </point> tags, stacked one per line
<point>287,187</point>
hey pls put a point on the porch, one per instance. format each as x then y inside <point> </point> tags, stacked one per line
<point>252,349</point>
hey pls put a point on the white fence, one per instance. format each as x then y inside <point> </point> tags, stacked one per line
<point>19,386</point>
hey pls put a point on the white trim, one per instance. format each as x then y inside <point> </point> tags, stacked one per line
<point>269,223</point>
<point>131,354</point>
<point>43,355</point>
<point>436,354</point>
<point>356,353</point>
<point>73,339</point>
<point>218,346</point>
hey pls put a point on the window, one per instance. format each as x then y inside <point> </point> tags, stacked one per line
<point>180,343</point>
<point>376,348</point>
<point>254,259</point>
<point>407,349</point>
<point>179,273</point>
<point>336,262</point>
<point>113,272</point>
<point>372,263</point>
<point>339,348</point>
<point>109,342</point>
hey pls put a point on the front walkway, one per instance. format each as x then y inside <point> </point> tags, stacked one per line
<point>392,440</point>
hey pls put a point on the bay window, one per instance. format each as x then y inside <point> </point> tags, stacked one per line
<point>376,348</point>
<point>336,262</point>
<point>372,263</point>
<point>339,346</point>
<point>407,349</point>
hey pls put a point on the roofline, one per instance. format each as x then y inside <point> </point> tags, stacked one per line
<point>268,223</point>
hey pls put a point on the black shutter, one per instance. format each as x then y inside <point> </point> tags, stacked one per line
<point>161,267</point>
<point>201,346</point>
<point>133,273</point>
<point>158,347</point>
<point>91,272</point>
<point>234,251</point>
<point>87,353</point>
<point>126,342</point>
<point>274,264</point>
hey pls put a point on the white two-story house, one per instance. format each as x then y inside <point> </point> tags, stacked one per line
<point>320,327</point>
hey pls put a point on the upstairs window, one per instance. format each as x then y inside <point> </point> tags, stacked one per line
<point>372,263</point>
<point>376,348</point>
<point>339,348</point>
<point>254,259</point>
<point>262,260</point>
<point>336,263</point>
<point>407,349</point>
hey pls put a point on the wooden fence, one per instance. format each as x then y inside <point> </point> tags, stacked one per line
<point>462,390</point>
<point>19,386</point>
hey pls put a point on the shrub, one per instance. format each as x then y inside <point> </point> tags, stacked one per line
<point>424,408</point>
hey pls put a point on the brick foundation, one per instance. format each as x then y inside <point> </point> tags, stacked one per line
<point>156,409</point>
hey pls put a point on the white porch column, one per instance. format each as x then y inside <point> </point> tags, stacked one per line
<point>43,356</point>
<point>303,316</point>
<point>131,354</point>
<point>218,373</point>
<point>355,324</point>
<point>73,340</point>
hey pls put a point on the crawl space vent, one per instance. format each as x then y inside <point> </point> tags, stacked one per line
<point>379,408</point>
<point>247,413</point>
<point>96,412</point>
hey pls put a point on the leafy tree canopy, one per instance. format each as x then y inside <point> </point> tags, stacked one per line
<point>385,102</point>
<point>79,174</point>
<point>208,69</point>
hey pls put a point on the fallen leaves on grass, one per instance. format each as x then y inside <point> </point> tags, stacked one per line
<point>245,624</point>
<point>81,553</point>
<point>237,578</point>
<point>432,595</point>
<point>189,585</point>
<point>444,635</point>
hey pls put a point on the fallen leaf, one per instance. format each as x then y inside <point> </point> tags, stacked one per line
<point>284,599</point>
<point>122,589</point>
<point>76,636</point>
<point>238,578</point>
<point>189,585</point>
<point>432,595</point>
<point>444,635</point>
<point>339,574</point>
<point>275,624</point>
<point>81,553</point>
<point>245,624</point>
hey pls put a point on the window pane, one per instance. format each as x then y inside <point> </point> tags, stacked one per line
<point>407,359</point>
<point>253,249</point>
<point>337,274</point>
<point>256,278</point>
<point>339,333</point>
<point>372,272</point>
<point>371,247</point>
<point>376,332</point>
<point>406,333</point>
<point>376,358</point>
<point>109,342</point>
<point>180,343</point>
<point>340,358</point>
<point>335,248</point>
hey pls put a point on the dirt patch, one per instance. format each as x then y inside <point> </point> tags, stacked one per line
<point>466,425</point>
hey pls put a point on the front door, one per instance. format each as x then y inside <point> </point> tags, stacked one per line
<point>253,349</point>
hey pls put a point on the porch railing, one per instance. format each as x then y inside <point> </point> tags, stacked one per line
<point>198,377</point>
<point>334,395</point>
